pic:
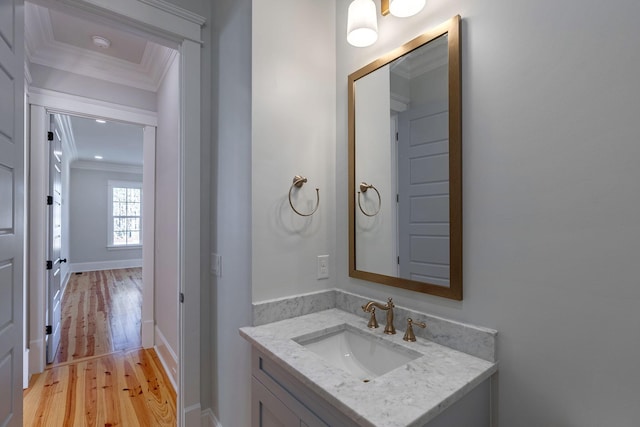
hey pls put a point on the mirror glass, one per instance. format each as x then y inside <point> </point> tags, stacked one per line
<point>405,166</point>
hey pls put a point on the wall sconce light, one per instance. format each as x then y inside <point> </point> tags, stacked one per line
<point>362,24</point>
<point>401,8</point>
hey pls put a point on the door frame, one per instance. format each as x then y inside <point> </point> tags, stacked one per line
<point>173,24</point>
<point>42,103</point>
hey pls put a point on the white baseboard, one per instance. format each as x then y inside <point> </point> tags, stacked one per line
<point>167,357</point>
<point>78,267</point>
<point>209,419</point>
<point>25,369</point>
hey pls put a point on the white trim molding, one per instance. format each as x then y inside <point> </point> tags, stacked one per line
<point>64,122</point>
<point>167,357</point>
<point>106,166</point>
<point>79,267</point>
<point>209,419</point>
<point>27,74</point>
<point>64,103</point>
<point>43,49</point>
<point>148,238</point>
<point>176,11</point>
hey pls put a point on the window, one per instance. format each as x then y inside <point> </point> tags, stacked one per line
<point>125,214</point>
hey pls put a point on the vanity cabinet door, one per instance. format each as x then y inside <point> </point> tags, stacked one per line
<point>268,411</point>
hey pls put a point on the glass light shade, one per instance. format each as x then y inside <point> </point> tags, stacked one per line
<point>405,8</point>
<point>362,23</point>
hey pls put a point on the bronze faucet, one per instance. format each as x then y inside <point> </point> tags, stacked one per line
<point>388,307</point>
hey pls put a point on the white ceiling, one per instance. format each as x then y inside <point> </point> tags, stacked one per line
<point>58,40</point>
<point>78,32</point>
<point>117,143</point>
<point>62,41</point>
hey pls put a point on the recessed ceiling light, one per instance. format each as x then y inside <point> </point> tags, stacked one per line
<point>101,42</point>
<point>101,121</point>
<point>97,157</point>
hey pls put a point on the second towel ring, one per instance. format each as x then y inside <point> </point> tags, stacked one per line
<point>299,181</point>
<point>364,187</point>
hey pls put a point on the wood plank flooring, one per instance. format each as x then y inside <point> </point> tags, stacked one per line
<point>101,313</point>
<point>120,389</point>
<point>101,376</point>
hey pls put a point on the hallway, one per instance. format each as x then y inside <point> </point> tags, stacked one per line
<point>120,389</point>
<point>100,375</point>
<point>101,312</point>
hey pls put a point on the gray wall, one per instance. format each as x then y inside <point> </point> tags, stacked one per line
<point>230,304</point>
<point>550,205</point>
<point>88,216</point>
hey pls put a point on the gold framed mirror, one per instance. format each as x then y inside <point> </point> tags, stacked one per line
<point>405,166</point>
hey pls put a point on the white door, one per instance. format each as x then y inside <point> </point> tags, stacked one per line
<point>423,180</point>
<point>11,210</point>
<point>54,241</point>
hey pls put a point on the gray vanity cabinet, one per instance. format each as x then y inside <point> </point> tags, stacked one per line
<point>281,400</point>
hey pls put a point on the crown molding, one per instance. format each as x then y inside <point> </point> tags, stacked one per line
<point>176,11</point>
<point>41,48</point>
<point>106,166</point>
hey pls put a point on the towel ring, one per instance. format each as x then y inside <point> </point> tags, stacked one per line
<point>364,187</point>
<point>298,181</point>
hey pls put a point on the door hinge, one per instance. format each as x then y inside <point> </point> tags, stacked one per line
<point>397,198</point>
<point>396,136</point>
<point>181,297</point>
<point>48,330</point>
<point>49,200</point>
<point>398,260</point>
<point>49,136</point>
<point>49,265</point>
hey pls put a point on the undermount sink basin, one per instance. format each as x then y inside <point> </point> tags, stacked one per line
<point>362,354</point>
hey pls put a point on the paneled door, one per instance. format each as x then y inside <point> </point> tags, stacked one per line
<point>423,210</point>
<point>54,240</point>
<point>11,210</point>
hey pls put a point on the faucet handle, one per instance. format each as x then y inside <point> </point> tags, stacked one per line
<point>409,335</point>
<point>373,322</point>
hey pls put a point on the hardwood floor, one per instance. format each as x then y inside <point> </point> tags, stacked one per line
<point>120,389</point>
<point>101,313</point>
<point>100,375</point>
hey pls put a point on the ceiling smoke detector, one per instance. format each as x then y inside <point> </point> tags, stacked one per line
<point>101,42</point>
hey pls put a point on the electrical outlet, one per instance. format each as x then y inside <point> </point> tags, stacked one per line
<point>323,266</point>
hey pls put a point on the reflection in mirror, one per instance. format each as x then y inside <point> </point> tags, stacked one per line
<point>404,139</point>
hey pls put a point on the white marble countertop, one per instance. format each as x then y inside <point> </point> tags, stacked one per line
<point>410,395</point>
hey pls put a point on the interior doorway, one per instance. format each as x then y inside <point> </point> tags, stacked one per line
<point>181,29</point>
<point>95,286</point>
